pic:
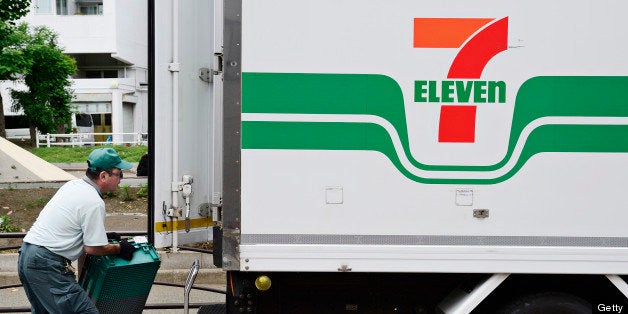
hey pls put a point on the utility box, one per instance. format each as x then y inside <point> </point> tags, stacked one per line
<point>117,285</point>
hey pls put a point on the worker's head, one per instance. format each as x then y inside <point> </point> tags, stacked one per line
<point>104,166</point>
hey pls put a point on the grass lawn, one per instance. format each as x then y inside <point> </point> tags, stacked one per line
<point>79,154</point>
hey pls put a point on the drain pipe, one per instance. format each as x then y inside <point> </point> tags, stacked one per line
<point>174,67</point>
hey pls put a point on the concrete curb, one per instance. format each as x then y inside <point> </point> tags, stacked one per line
<point>204,277</point>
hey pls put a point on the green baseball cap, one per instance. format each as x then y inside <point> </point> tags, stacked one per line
<point>106,158</point>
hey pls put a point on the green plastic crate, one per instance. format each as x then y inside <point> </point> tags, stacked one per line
<point>120,286</point>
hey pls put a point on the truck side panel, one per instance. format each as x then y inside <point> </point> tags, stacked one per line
<point>426,137</point>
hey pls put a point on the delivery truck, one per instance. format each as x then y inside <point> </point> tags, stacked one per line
<point>401,156</point>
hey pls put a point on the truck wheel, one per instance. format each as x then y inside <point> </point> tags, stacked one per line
<point>547,302</point>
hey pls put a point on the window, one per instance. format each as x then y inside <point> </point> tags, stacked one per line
<point>101,73</point>
<point>93,74</point>
<point>43,6</point>
<point>110,74</point>
<point>96,119</point>
<point>90,8</point>
<point>62,7</point>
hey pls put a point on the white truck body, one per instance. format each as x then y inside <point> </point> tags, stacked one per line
<point>398,137</point>
<point>317,203</point>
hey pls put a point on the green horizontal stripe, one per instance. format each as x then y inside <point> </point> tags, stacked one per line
<point>381,96</point>
<point>372,137</point>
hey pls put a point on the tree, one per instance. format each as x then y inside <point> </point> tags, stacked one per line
<point>12,62</point>
<point>46,102</point>
<point>13,10</point>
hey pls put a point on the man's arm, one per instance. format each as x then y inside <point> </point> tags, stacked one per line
<point>109,249</point>
<point>123,249</point>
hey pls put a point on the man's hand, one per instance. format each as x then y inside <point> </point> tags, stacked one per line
<point>126,250</point>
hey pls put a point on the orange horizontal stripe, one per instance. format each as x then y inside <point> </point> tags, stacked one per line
<point>445,32</point>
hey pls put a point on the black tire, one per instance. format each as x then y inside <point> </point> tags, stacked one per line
<point>547,302</point>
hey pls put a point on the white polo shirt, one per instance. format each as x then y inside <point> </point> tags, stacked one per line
<point>74,217</point>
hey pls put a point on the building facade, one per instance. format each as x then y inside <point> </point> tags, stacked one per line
<point>108,39</point>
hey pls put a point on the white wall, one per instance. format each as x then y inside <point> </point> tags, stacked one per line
<point>81,33</point>
<point>121,30</point>
<point>131,29</point>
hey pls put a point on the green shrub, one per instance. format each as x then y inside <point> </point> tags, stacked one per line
<point>38,204</point>
<point>125,193</point>
<point>7,226</point>
<point>142,191</point>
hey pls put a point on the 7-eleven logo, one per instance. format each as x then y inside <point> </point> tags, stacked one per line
<point>478,40</point>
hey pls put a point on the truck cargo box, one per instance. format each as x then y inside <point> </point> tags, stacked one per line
<point>423,137</point>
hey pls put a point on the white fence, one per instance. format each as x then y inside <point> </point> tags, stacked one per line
<point>81,139</point>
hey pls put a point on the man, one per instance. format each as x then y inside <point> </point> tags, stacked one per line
<point>71,224</point>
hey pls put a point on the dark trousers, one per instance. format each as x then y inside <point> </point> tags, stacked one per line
<point>50,283</point>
